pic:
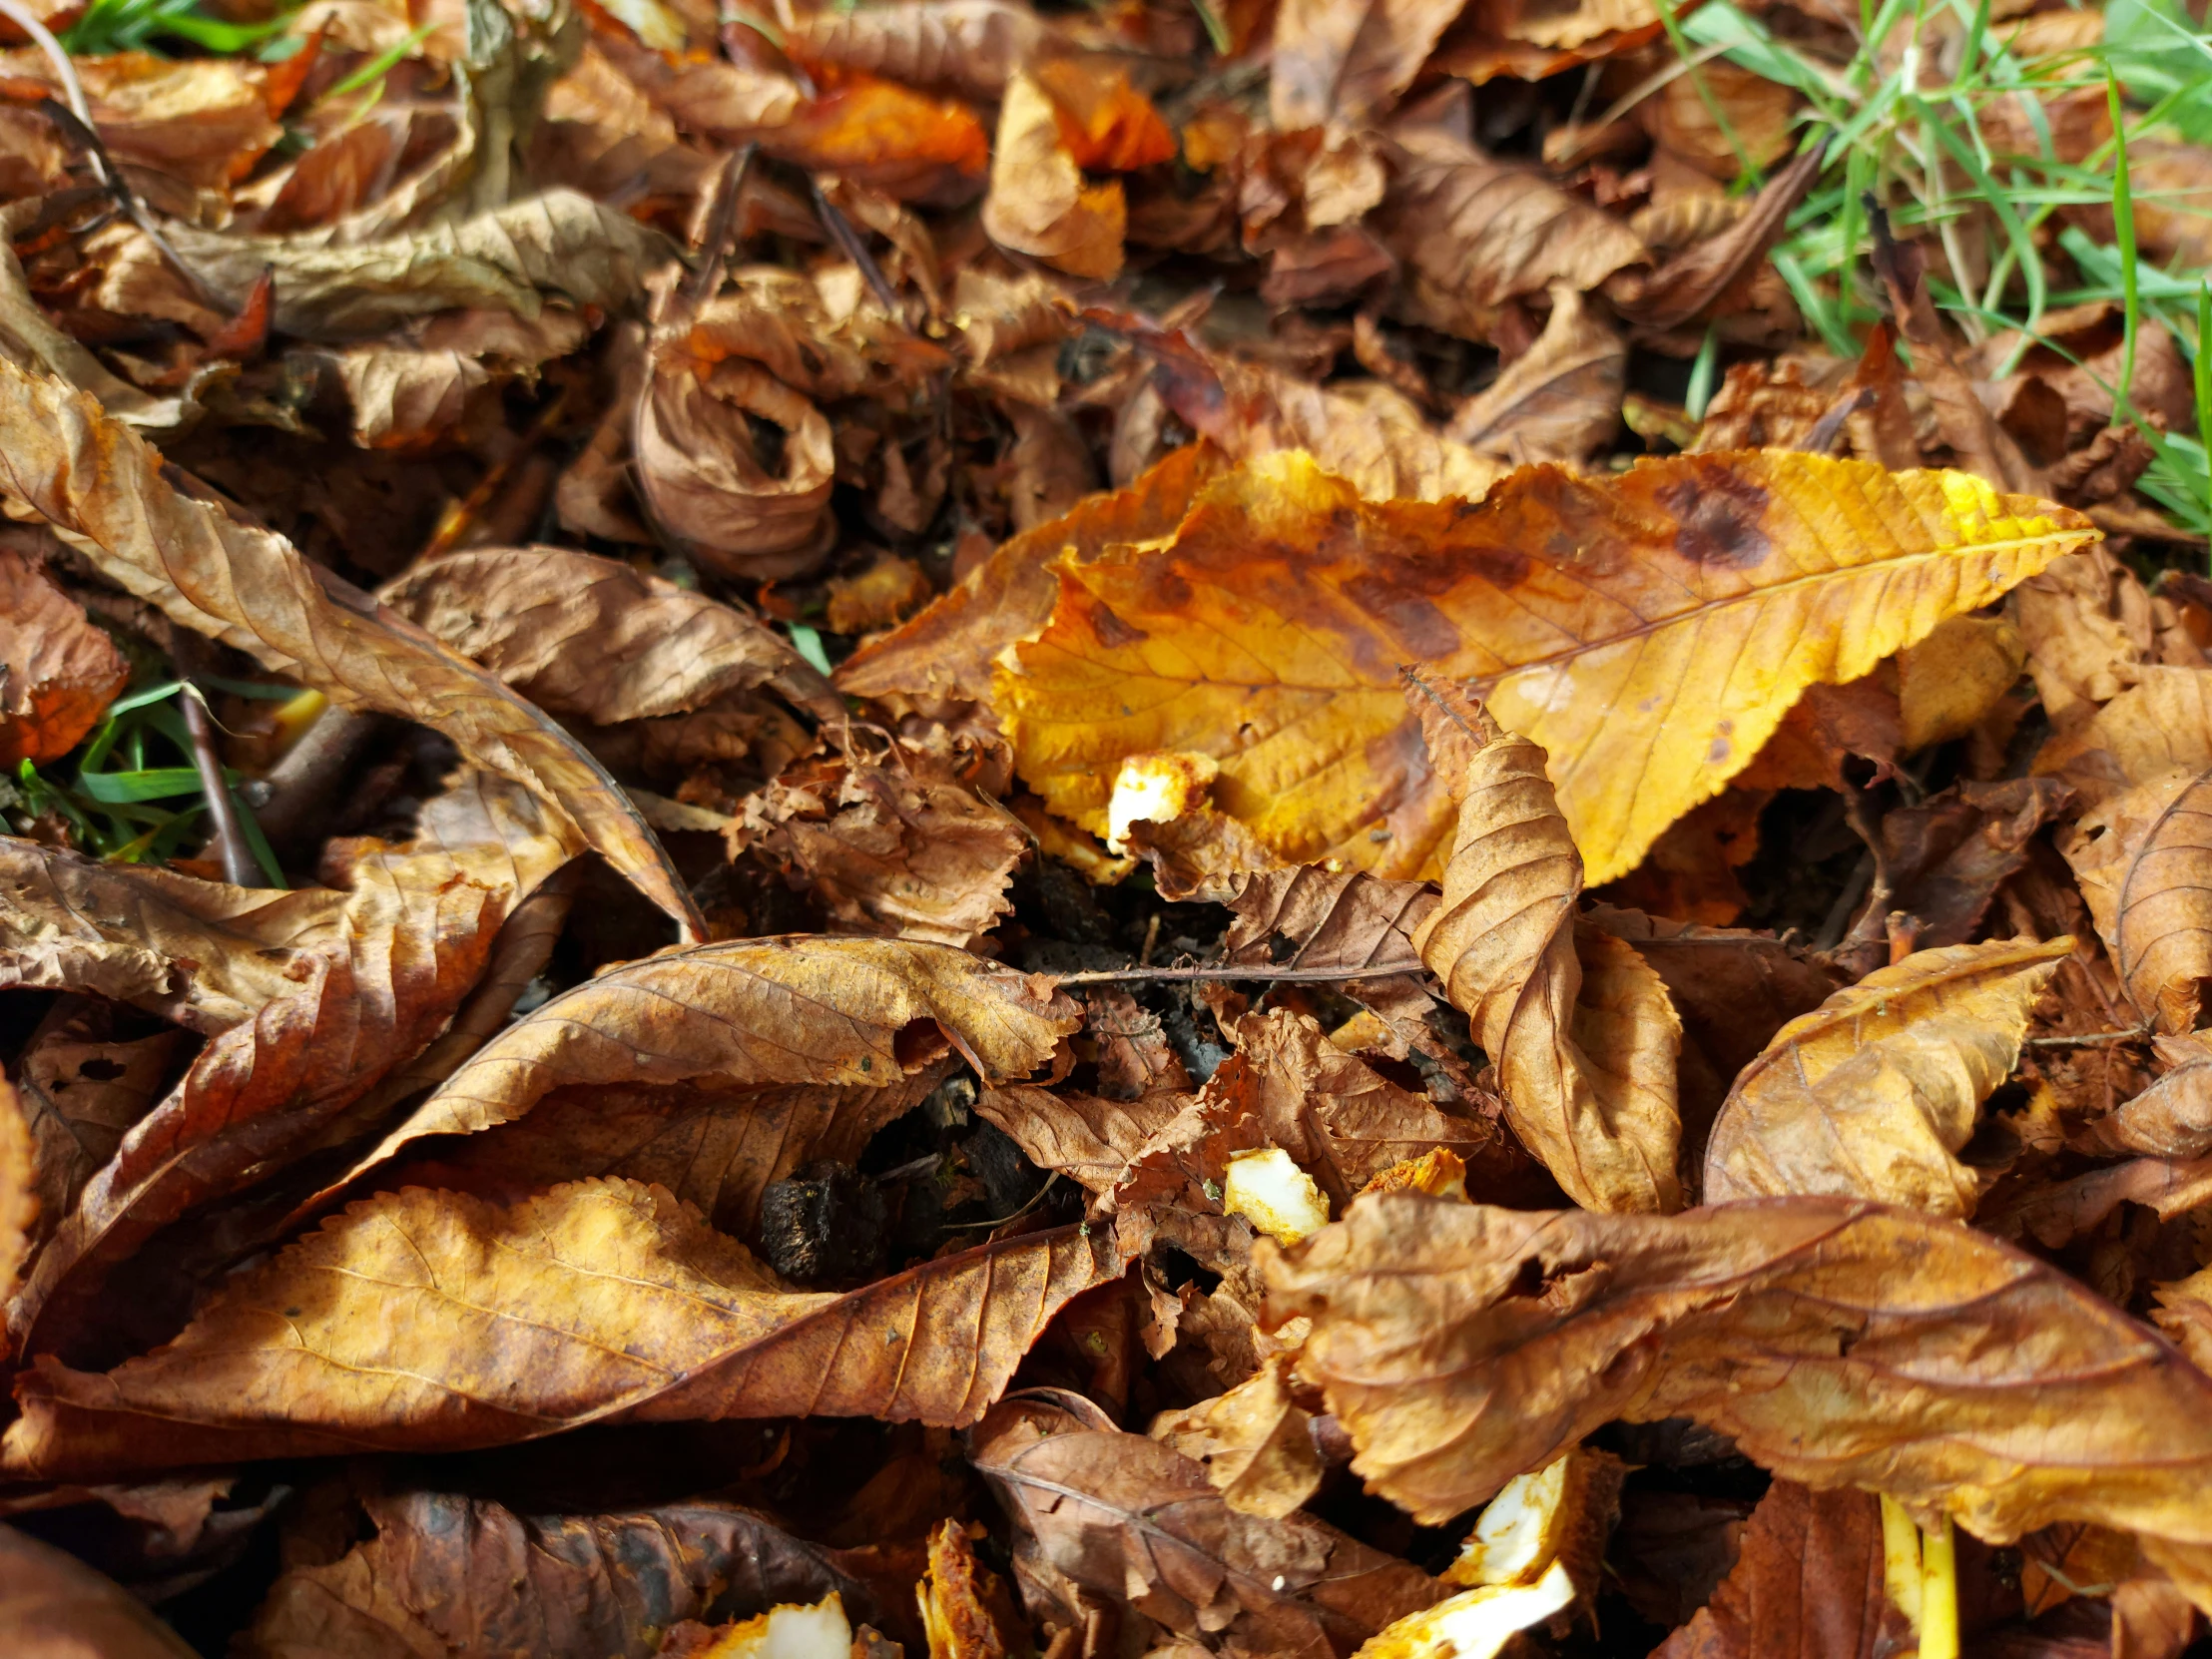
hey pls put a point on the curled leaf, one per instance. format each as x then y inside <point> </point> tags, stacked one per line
<point>2145,863</point>
<point>1874,1094</point>
<point>58,673</point>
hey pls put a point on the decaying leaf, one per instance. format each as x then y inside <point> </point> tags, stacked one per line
<point>1461,1345</point>
<point>1560,399</point>
<point>1130,1517</point>
<point>1039,201</point>
<point>58,672</point>
<point>52,1606</point>
<point>600,1300</point>
<point>1269,629</point>
<point>100,486</point>
<point>1583,1033</point>
<point>1875,1093</point>
<point>2140,858</point>
<point>1255,1442</point>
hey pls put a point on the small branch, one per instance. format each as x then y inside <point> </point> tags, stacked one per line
<point>2090,1039</point>
<point>240,868</point>
<point>848,240</point>
<point>724,219</point>
<point>1278,976</point>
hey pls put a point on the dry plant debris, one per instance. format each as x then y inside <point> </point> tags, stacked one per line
<point>835,828</point>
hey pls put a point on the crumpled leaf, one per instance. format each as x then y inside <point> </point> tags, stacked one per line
<point>968,47</point>
<point>1875,1093</point>
<point>1039,202</point>
<point>1581,1031</point>
<point>902,848</point>
<point>2162,720</point>
<point>1560,400</point>
<point>408,389</point>
<point>591,637</point>
<point>599,1300</point>
<point>1806,1584</point>
<point>1268,631</point>
<point>1134,1521</point>
<point>512,256</point>
<point>1347,63</point>
<point>58,673</point>
<point>1475,233</point>
<point>2170,1119</point>
<point>824,1014</point>
<point>1705,278</point>
<point>100,486</point>
<point>1837,1342</point>
<point>351,985</point>
<point>2145,864</point>
<point>965,1610</point>
<point>699,469</point>
<point>1255,1442</point>
<point>53,1606</point>
<point>453,1574</point>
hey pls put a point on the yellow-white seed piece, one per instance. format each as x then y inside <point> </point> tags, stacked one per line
<point>1474,1624</point>
<point>1275,1195</point>
<point>1156,788</point>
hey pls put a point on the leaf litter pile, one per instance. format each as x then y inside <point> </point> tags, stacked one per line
<point>1176,828</point>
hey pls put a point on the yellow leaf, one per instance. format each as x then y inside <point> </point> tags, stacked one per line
<point>1873,1093</point>
<point>1648,631</point>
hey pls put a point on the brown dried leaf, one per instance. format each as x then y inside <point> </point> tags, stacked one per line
<point>101,487</point>
<point>1039,202</point>
<point>1346,64</point>
<point>900,848</point>
<point>598,1300</point>
<point>53,1606</point>
<point>2088,626</point>
<point>968,47</point>
<point>2170,1119</point>
<point>1806,1584</point>
<point>2145,864</point>
<point>811,1012</point>
<point>1838,1342</point>
<point>1874,1094</point>
<point>1132,1520</point>
<point>512,257</point>
<point>1255,1442</point>
<point>965,1610</point>
<point>1585,1043</point>
<point>2161,722</point>
<point>1714,274</point>
<point>351,985</point>
<point>591,637</point>
<point>1475,233</point>
<point>1560,400</point>
<point>58,673</point>
<point>448,1573</point>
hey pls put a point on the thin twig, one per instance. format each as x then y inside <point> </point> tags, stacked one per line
<point>722,231</point>
<point>2090,1039</point>
<point>1304,976</point>
<point>240,868</point>
<point>848,240</point>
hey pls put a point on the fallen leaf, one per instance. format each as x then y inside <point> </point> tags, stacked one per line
<point>58,672</point>
<point>19,1194</point>
<point>1475,233</point>
<point>1132,1519</point>
<point>1947,858</point>
<point>818,1014</point>
<point>2088,626</point>
<point>357,982</point>
<point>1348,64</point>
<point>966,1611</point>
<point>591,637</point>
<point>1560,400</point>
<point>969,47</point>
<point>1039,202</point>
<point>2161,722</point>
<point>2138,860</point>
<point>1255,1441</point>
<point>1704,278</point>
<point>2170,1119</point>
<point>100,486</point>
<point>1876,1092</point>
<point>409,390</point>
<point>1806,1584</point>
<point>1940,1366</point>
<point>448,1573</point>
<point>53,1606</point>
<point>599,1300</point>
<point>1267,631</point>
<point>1583,1039</point>
<point>513,257</point>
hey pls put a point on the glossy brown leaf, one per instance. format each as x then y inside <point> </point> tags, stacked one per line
<point>100,486</point>
<point>1806,1584</point>
<point>1837,1342</point>
<point>600,1300</point>
<point>1133,1520</point>
<point>1876,1092</point>
<point>1584,1041</point>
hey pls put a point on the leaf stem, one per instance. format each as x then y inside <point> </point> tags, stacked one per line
<point>1294,975</point>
